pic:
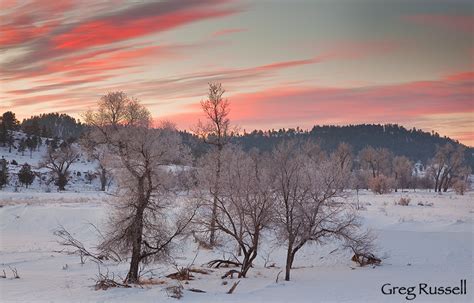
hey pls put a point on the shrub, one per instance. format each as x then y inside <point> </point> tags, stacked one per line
<point>381,184</point>
<point>13,162</point>
<point>404,201</point>
<point>460,187</point>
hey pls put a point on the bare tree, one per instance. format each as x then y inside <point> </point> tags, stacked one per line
<point>307,195</point>
<point>216,132</point>
<point>99,154</point>
<point>343,156</point>
<point>438,164</point>
<point>454,167</point>
<point>141,223</point>
<point>402,171</point>
<point>447,164</point>
<point>378,161</point>
<point>58,162</point>
<point>245,203</point>
<point>116,109</point>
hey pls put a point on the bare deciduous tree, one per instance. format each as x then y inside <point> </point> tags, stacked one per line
<point>307,201</point>
<point>216,132</point>
<point>140,224</point>
<point>402,171</point>
<point>100,154</point>
<point>446,165</point>
<point>378,161</point>
<point>245,202</point>
<point>343,156</point>
<point>58,162</point>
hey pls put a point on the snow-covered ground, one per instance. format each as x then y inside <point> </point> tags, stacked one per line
<point>42,183</point>
<point>422,244</point>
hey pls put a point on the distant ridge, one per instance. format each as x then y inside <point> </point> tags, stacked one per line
<point>414,143</point>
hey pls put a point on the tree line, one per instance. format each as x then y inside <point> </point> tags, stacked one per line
<point>296,191</point>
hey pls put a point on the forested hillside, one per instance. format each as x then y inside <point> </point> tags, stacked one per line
<point>415,144</point>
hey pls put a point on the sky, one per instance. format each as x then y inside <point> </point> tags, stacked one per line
<point>282,63</point>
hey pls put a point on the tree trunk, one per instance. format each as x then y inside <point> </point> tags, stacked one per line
<point>447,182</point>
<point>62,181</point>
<point>103,179</point>
<point>132,276</point>
<point>212,237</point>
<point>250,256</point>
<point>437,184</point>
<point>289,262</point>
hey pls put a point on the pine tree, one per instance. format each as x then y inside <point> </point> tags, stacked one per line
<point>31,143</point>
<point>3,172</point>
<point>22,147</point>
<point>3,133</point>
<point>10,121</point>
<point>26,176</point>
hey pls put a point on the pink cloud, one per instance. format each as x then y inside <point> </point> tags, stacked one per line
<point>106,31</point>
<point>228,31</point>
<point>307,106</point>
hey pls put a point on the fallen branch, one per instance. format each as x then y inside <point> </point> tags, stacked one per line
<point>104,282</point>
<point>196,290</point>
<point>278,275</point>
<point>14,271</point>
<point>67,240</point>
<point>224,263</point>
<point>230,273</point>
<point>364,259</point>
<point>231,290</point>
<point>183,274</point>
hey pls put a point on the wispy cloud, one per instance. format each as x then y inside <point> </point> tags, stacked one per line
<point>306,106</point>
<point>228,31</point>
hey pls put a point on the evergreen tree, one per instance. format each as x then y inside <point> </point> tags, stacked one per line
<point>31,143</point>
<point>26,176</point>
<point>3,172</point>
<point>10,121</point>
<point>3,133</point>
<point>22,147</point>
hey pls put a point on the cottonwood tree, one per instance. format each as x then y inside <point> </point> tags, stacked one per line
<point>142,223</point>
<point>307,205</point>
<point>216,132</point>
<point>402,171</point>
<point>378,161</point>
<point>343,157</point>
<point>58,161</point>
<point>446,165</point>
<point>245,203</point>
<point>117,109</point>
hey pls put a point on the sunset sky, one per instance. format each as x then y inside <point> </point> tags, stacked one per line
<point>283,63</point>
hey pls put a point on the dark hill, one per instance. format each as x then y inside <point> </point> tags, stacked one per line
<point>416,144</point>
